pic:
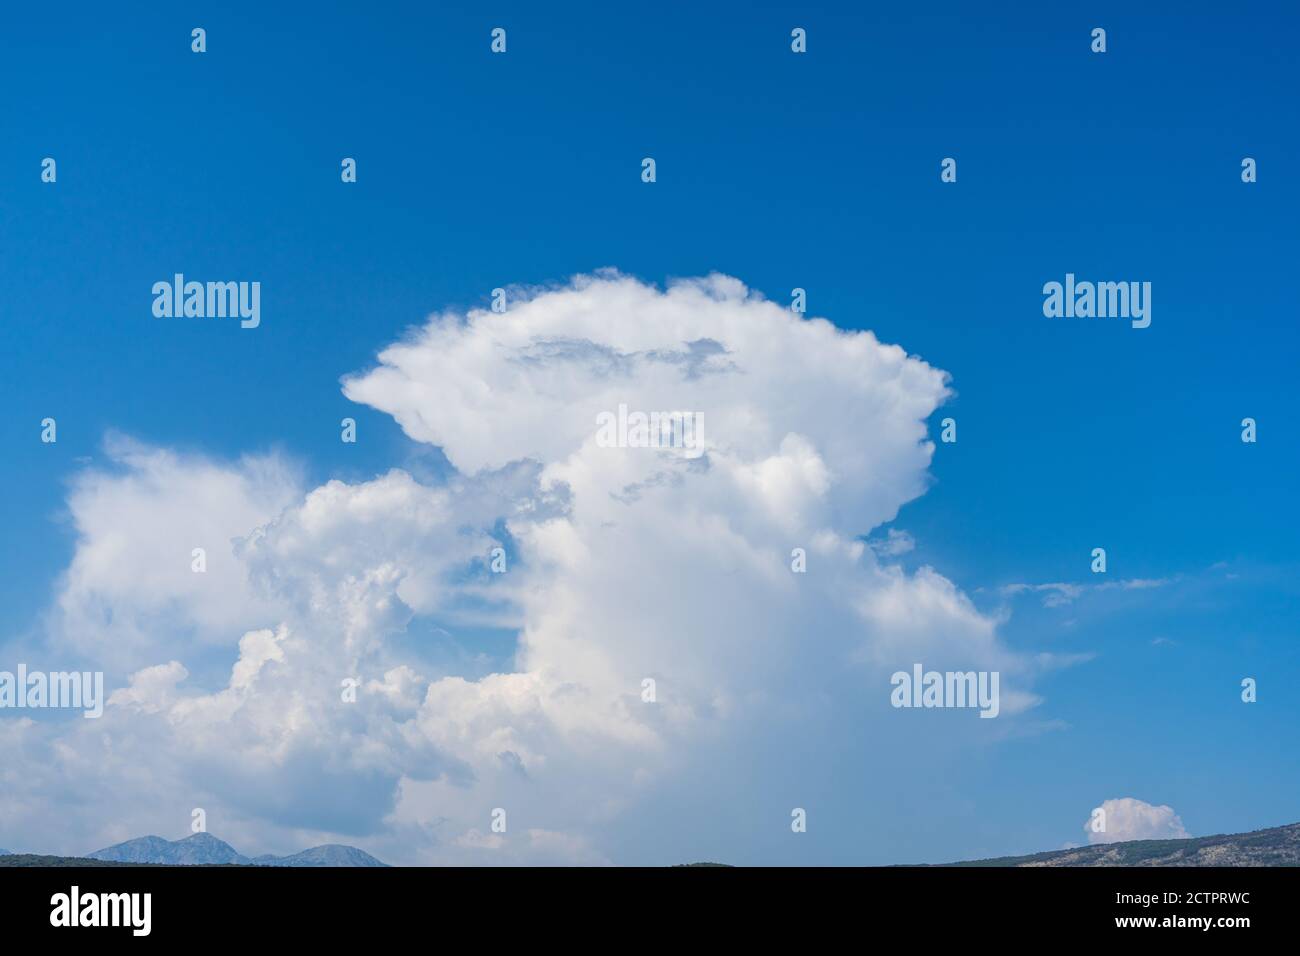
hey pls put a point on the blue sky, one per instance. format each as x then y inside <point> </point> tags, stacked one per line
<point>819,171</point>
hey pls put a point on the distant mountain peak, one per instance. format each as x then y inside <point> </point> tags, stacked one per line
<point>200,849</point>
<point>330,854</point>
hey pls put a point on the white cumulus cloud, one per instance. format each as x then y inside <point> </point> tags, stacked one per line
<point>1127,818</point>
<point>626,565</point>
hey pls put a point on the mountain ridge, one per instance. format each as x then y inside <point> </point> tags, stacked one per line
<point>203,849</point>
<point>1274,846</point>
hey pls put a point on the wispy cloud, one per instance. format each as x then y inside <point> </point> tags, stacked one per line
<point>1061,594</point>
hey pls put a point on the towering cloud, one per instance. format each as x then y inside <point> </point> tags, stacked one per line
<point>659,627</point>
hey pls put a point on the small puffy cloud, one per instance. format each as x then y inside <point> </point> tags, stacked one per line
<point>894,543</point>
<point>1130,819</point>
<point>152,689</point>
